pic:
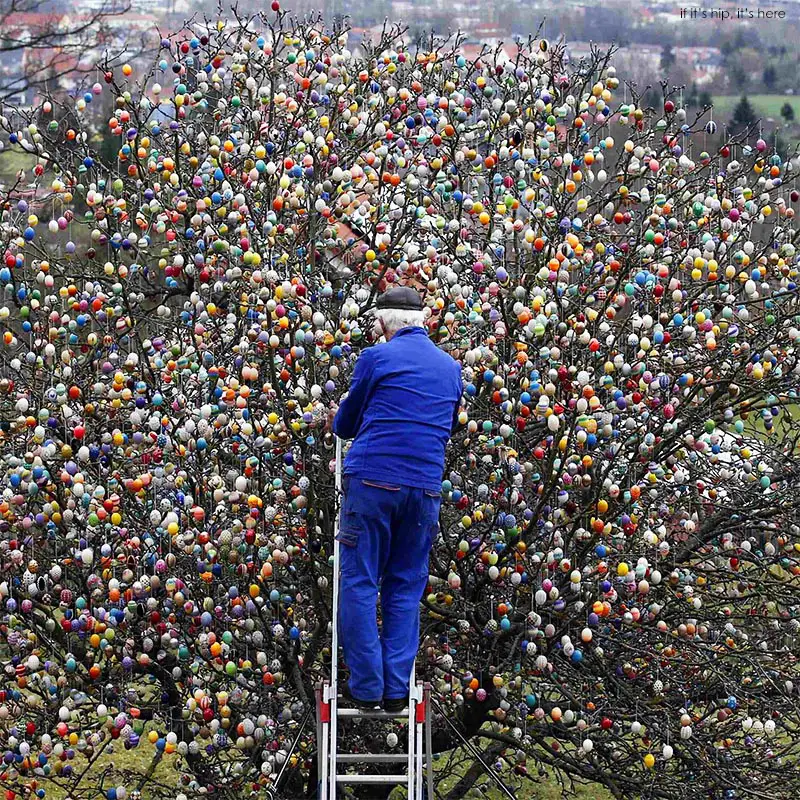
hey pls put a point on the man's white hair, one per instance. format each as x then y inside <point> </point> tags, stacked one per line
<point>396,318</point>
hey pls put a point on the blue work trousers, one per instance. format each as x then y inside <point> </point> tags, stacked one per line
<point>386,533</point>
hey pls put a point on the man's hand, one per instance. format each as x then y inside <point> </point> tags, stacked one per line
<point>330,415</point>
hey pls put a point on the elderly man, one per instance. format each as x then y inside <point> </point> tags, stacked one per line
<point>401,408</point>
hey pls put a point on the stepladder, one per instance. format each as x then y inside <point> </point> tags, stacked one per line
<point>338,768</point>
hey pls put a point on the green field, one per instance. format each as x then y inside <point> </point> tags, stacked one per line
<point>547,787</point>
<point>765,105</point>
<point>785,424</point>
<point>12,160</point>
<point>117,766</point>
<point>140,769</point>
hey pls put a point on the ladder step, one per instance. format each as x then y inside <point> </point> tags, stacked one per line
<point>372,758</point>
<point>378,779</point>
<point>369,714</point>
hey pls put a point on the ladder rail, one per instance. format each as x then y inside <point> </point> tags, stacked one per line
<point>475,754</point>
<point>423,720</point>
<point>418,757</point>
<point>412,714</point>
<point>323,742</point>
<point>287,761</point>
<point>429,741</point>
<point>333,733</point>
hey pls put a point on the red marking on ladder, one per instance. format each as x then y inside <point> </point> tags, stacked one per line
<point>325,712</point>
<point>421,709</point>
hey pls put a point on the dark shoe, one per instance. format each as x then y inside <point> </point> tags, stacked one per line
<point>366,705</point>
<point>395,704</point>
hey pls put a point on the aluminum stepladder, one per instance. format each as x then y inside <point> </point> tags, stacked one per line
<point>417,712</point>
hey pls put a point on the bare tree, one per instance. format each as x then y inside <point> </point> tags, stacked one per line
<point>614,595</point>
<point>40,45</point>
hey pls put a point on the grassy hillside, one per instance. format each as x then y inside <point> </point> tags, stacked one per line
<point>765,105</point>
<point>12,160</point>
<point>129,767</point>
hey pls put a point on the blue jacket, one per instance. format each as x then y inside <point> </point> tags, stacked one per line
<point>402,406</point>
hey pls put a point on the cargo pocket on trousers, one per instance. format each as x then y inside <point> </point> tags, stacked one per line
<point>431,503</point>
<point>348,530</point>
